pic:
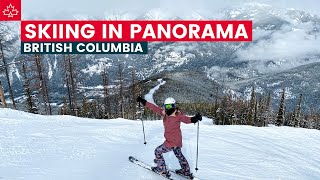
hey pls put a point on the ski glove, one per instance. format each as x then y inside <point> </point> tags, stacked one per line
<point>141,100</point>
<point>196,118</point>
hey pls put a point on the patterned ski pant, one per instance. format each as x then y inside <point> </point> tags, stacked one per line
<point>161,164</point>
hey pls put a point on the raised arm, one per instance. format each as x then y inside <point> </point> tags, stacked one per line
<point>154,108</point>
<point>150,106</point>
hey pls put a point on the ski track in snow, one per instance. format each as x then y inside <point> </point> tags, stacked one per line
<point>149,96</point>
<point>36,147</point>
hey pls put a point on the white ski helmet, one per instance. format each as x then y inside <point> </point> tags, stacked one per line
<point>169,100</point>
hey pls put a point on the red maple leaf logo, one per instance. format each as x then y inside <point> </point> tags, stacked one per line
<point>10,11</point>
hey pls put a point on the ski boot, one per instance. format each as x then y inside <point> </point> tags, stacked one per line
<point>165,174</point>
<point>184,173</point>
<point>155,161</point>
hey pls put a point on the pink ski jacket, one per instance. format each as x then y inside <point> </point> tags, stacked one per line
<point>172,131</point>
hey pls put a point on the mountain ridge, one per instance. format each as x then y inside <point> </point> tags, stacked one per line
<point>283,39</point>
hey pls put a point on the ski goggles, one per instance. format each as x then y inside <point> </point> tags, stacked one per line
<point>169,106</point>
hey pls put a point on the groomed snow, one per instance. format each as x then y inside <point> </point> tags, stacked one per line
<point>36,147</point>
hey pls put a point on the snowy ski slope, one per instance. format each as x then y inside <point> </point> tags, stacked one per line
<point>36,147</point>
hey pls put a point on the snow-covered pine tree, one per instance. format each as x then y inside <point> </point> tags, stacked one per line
<point>237,107</point>
<point>223,112</point>
<point>243,113</point>
<point>261,121</point>
<point>252,107</point>
<point>255,117</point>
<point>298,115</point>
<point>268,114</point>
<point>293,118</point>
<point>281,112</point>
<point>312,119</point>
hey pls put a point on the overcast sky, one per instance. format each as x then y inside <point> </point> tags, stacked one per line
<point>55,9</point>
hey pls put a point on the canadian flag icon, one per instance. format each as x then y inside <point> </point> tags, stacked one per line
<point>10,10</point>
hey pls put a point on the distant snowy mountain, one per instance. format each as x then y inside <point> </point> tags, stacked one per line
<point>36,147</point>
<point>284,39</point>
<point>295,81</point>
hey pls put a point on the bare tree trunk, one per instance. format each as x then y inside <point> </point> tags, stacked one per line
<point>105,79</point>
<point>68,85</point>
<point>121,98</point>
<point>71,84</point>
<point>3,99</point>
<point>43,85</point>
<point>7,76</point>
<point>133,94</point>
<point>30,104</point>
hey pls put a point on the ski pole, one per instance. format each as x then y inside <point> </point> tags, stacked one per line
<point>197,148</point>
<point>144,135</point>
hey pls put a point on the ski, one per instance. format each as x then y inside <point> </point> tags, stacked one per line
<point>186,177</point>
<point>148,167</point>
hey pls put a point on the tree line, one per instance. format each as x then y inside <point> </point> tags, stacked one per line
<point>257,111</point>
<point>116,102</point>
<point>120,101</point>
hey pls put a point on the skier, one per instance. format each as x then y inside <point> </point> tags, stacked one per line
<point>172,133</point>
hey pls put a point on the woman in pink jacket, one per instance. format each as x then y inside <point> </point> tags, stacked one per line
<point>172,118</point>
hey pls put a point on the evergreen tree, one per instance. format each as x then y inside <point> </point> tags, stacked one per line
<point>85,109</point>
<point>100,113</point>
<point>93,109</point>
<point>252,104</point>
<point>293,118</point>
<point>281,112</point>
<point>268,115</point>
<point>255,117</point>
<point>317,125</point>
<point>64,110</point>
<point>298,115</point>
<point>244,113</point>
<point>260,113</point>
